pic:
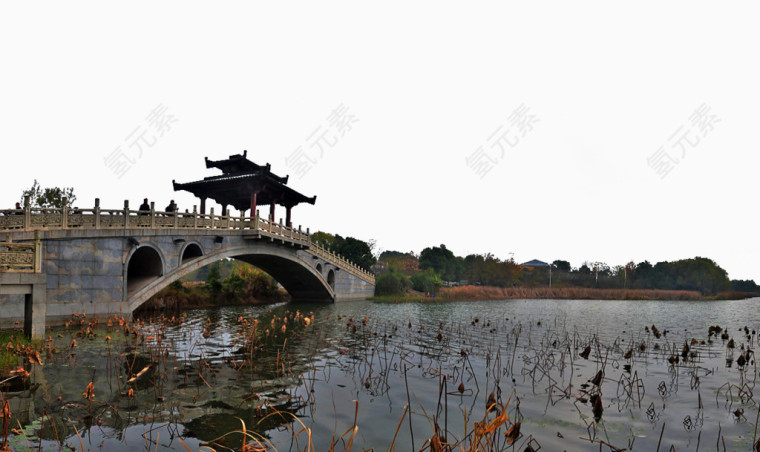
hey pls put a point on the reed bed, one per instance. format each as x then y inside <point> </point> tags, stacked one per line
<point>572,293</point>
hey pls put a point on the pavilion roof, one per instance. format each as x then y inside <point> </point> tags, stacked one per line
<point>241,178</point>
<point>239,163</point>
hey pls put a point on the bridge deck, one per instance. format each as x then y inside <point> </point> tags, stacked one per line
<point>22,224</point>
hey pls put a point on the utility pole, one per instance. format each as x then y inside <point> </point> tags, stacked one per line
<point>550,275</point>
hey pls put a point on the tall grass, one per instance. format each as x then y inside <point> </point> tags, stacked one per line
<point>12,346</point>
<point>574,293</point>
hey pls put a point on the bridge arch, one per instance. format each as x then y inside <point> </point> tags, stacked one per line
<point>145,264</point>
<point>191,250</point>
<point>331,279</point>
<point>294,272</point>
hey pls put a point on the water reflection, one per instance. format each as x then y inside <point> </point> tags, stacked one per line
<point>197,378</point>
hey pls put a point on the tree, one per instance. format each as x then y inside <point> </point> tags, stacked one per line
<point>698,274</point>
<point>426,281</point>
<point>630,268</point>
<point>323,239</point>
<point>600,267</point>
<point>51,197</point>
<point>740,285</point>
<point>357,251</point>
<point>406,263</point>
<point>561,266</point>
<point>213,280</point>
<point>389,254</point>
<point>443,262</point>
<point>391,283</point>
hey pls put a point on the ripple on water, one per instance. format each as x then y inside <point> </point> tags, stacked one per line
<point>205,380</point>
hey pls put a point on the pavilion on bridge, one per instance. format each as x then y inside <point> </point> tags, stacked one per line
<point>245,185</point>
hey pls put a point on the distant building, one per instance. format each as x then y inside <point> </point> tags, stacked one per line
<point>534,263</point>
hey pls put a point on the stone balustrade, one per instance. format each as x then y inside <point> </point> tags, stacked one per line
<point>42,219</point>
<point>21,257</point>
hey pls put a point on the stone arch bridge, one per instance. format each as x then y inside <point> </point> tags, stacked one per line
<point>102,262</point>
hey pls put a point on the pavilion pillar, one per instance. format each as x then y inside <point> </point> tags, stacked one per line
<point>287,217</point>
<point>203,206</point>
<point>224,210</point>
<point>271,211</point>
<point>253,203</point>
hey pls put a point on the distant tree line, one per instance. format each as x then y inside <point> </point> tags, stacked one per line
<point>435,266</point>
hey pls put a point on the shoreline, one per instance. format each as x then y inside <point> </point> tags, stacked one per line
<point>475,293</point>
<point>198,297</point>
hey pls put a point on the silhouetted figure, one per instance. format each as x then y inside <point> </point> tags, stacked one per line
<point>18,207</point>
<point>145,207</point>
<point>171,208</point>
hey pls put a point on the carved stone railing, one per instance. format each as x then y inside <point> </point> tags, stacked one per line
<point>43,219</point>
<point>21,257</point>
<point>342,263</point>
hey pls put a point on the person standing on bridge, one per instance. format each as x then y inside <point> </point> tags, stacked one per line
<point>145,207</point>
<point>171,208</point>
<point>18,207</point>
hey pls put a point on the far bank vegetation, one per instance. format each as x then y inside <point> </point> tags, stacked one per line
<point>436,271</point>
<point>226,282</point>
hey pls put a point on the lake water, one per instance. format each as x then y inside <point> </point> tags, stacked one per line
<point>362,363</point>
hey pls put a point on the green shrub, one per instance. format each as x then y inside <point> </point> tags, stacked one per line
<point>177,285</point>
<point>391,283</point>
<point>425,282</point>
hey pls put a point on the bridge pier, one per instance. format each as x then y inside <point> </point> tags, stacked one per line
<point>33,286</point>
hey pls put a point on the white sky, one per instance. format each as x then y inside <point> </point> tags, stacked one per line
<point>427,83</point>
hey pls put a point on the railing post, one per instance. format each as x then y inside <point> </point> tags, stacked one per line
<point>195,217</point>
<point>212,218</point>
<point>37,252</point>
<point>152,214</point>
<point>242,221</point>
<point>176,218</point>
<point>96,212</point>
<point>256,220</point>
<point>64,213</point>
<point>27,213</point>
<point>126,214</point>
